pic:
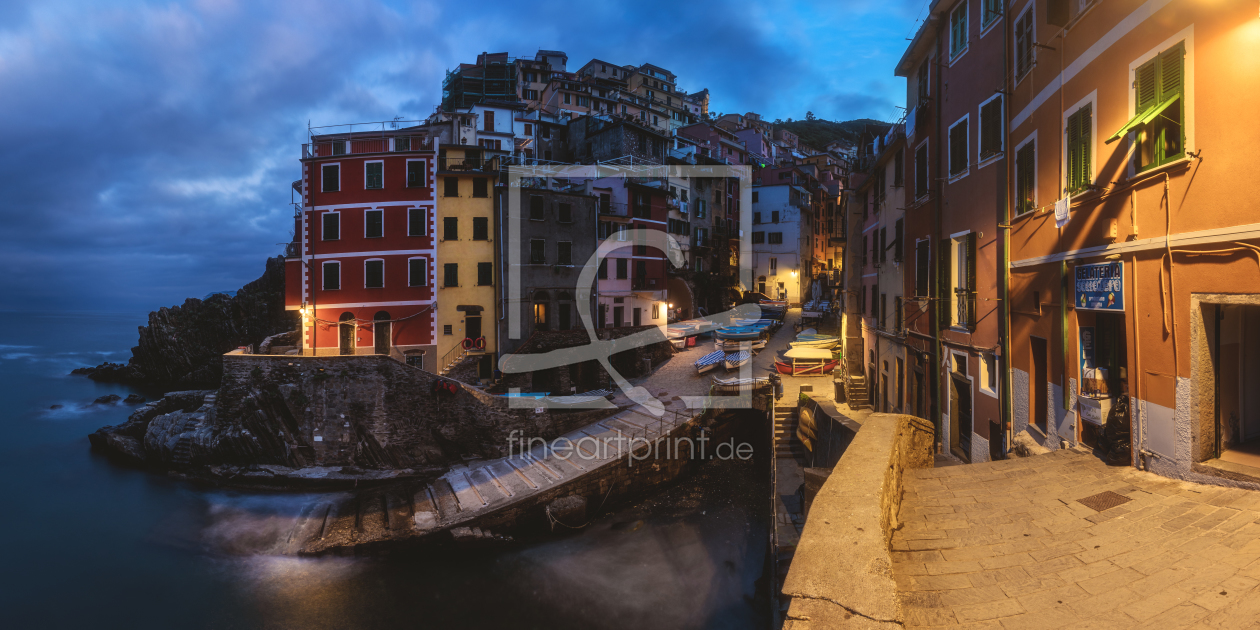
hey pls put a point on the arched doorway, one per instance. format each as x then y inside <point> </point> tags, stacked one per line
<point>382,328</point>
<point>347,333</point>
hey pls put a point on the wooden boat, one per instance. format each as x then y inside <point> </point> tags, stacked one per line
<point>679,344</point>
<point>735,360</point>
<point>734,385</point>
<point>738,333</point>
<point>808,332</point>
<point>709,361</point>
<point>815,343</point>
<point>806,362</point>
<point>733,345</point>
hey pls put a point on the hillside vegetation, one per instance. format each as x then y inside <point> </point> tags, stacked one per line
<point>819,133</point>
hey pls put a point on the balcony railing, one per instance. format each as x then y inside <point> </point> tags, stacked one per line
<point>359,144</point>
<point>645,284</point>
<point>613,209</point>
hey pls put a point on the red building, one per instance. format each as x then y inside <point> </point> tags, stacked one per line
<point>361,268</point>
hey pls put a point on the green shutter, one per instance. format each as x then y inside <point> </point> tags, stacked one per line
<point>1144,87</point>
<point>971,282</point>
<point>1086,145</point>
<point>1073,135</point>
<point>1171,62</point>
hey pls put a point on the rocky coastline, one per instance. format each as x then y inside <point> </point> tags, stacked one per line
<point>182,346</point>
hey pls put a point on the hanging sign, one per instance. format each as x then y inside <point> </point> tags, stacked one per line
<point>1100,287</point>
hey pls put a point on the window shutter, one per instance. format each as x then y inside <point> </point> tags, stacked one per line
<point>944,300</point>
<point>1170,72</point>
<point>971,282</point>
<point>883,244</point>
<point>923,266</point>
<point>1144,87</point>
<point>897,237</point>
<point>1086,174</point>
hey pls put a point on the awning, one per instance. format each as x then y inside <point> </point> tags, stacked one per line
<point>1143,118</point>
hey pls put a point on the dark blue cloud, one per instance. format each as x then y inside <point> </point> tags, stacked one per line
<point>149,148</point>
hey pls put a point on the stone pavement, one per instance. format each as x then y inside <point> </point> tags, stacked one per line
<point>1007,544</point>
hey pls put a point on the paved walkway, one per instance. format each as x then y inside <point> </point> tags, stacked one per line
<point>1008,544</point>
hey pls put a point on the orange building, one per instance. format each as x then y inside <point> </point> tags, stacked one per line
<point>1137,300</point>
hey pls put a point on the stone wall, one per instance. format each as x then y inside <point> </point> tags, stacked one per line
<point>841,574</point>
<point>582,375</point>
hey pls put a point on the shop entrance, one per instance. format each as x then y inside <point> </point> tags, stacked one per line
<point>1103,403</point>
<point>1237,367</point>
<point>960,408</point>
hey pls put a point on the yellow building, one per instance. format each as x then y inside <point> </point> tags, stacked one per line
<point>466,273</point>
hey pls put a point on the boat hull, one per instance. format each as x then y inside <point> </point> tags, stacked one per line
<point>814,369</point>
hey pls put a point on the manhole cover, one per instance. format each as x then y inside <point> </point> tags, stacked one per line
<point>1104,501</point>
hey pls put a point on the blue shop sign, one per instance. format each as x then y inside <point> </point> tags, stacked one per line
<point>1100,287</point>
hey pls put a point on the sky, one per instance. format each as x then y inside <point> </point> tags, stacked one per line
<point>149,147</point>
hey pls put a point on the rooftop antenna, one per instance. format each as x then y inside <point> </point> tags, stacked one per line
<point>394,123</point>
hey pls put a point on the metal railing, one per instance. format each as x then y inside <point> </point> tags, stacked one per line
<point>613,208</point>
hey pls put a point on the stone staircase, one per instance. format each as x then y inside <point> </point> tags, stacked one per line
<point>858,396</point>
<point>459,356</point>
<point>785,442</point>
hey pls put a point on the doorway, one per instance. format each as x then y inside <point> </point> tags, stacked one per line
<point>619,316</point>
<point>960,408</point>
<point>637,314</point>
<point>1039,383</point>
<point>472,326</point>
<point>346,336</point>
<point>381,329</point>
<point>1237,352</point>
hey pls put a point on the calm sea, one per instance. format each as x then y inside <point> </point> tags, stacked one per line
<point>86,543</point>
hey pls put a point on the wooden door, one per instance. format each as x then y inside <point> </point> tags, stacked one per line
<point>381,329</point>
<point>346,337</point>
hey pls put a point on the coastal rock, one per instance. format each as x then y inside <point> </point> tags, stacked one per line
<point>107,399</point>
<point>127,439</point>
<point>134,399</point>
<point>182,346</point>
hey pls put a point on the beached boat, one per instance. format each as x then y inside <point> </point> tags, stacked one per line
<point>731,345</point>
<point>815,343</point>
<point>709,361</point>
<point>735,360</point>
<point>734,385</point>
<point>806,362</point>
<point>739,333</point>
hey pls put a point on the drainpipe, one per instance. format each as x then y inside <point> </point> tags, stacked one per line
<point>938,384</point>
<point>1004,264</point>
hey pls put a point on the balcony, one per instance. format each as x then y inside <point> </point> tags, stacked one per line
<point>646,284</point>
<point>613,209</point>
<point>365,138</point>
<point>466,164</point>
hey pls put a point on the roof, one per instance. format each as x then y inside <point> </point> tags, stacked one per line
<point>922,40</point>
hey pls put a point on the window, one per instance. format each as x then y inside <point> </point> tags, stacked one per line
<point>924,73</point>
<point>1080,133</point>
<point>603,269</point>
<point>756,196</point>
<point>417,272</point>
<point>958,151</point>
<point>882,317</point>
<point>1157,124</point>
<point>899,169</point>
<point>535,208</point>
<point>565,210</point>
<point>883,244</point>
<point>921,171</point>
<point>567,99</point>
<point>373,223</point>
<point>958,282</point>
<point>640,269</point>
<point>774,266</point>
<point>546,133</point>
<point>373,175</point>
<point>756,217</point>
<point>623,269</point>
<point>481,229</point>
<point>416,223</point>
<point>656,310</point>
<point>402,143</point>
<point>450,275</point>
<point>897,238</point>
<point>529,127</point>
<point>990,10</point>
<point>774,216</point>
<point>485,274</point>
<point>991,123</point>
<point>758,238</point>
<point>450,228</point>
<point>330,178</point>
<point>564,253</point>
<point>702,208</point>
<point>776,238</point>
<point>416,177</point>
<point>988,374</point>
<point>537,253</point>
<point>447,329</point>
<point>488,118</point>
<point>480,187</point>
<point>922,267</point>
<point>339,147</point>
<point>332,276</point>
<point>565,315</point>
<point>374,274</point>
<point>450,186</point>
<point>332,226</point>
<point>1026,177</point>
<point>540,315</point>
<point>958,31</point>
<point>1025,49</point>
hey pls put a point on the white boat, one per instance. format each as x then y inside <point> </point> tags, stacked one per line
<point>824,344</point>
<point>734,385</point>
<point>735,360</point>
<point>709,361</point>
<point>732,345</point>
<point>680,343</point>
<point>807,332</point>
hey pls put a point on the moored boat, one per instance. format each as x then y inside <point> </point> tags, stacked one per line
<point>815,343</point>
<point>806,362</point>
<point>735,360</point>
<point>734,385</point>
<point>709,361</point>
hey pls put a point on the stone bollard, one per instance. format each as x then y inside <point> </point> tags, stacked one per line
<point>569,512</point>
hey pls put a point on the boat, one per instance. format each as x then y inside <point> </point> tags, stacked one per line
<point>808,332</point>
<point>735,385</point>
<point>735,360</point>
<point>806,362</point>
<point>679,343</point>
<point>815,343</point>
<point>709,361</point>
<point>733,345</point>
<point>740,334</point>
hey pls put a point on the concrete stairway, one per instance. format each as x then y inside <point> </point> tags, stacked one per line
<point>446,369</point>
<point>858,396</point>
<point>785,442</point>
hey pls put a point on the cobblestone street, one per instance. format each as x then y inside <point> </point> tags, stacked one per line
<point>1009,544</point>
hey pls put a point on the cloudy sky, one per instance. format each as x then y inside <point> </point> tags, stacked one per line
<point>149,146</point>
